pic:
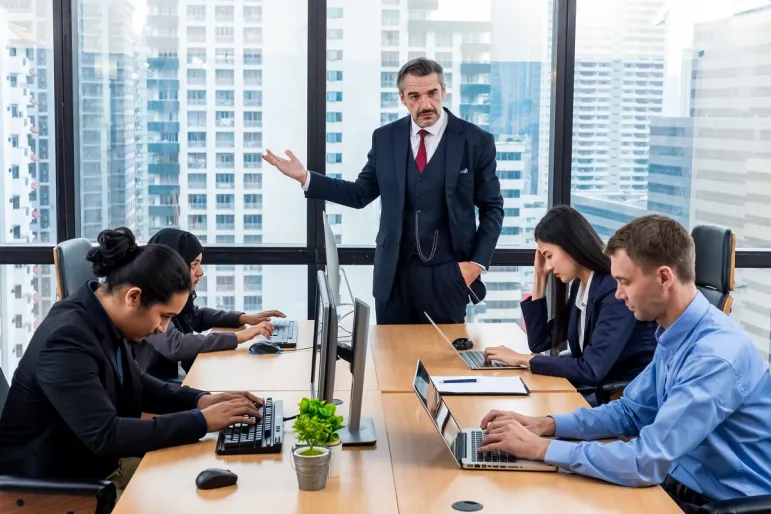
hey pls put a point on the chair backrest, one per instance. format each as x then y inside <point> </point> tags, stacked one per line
<point>72,268</point>
<point>4,388</point>
<point>715,264</point>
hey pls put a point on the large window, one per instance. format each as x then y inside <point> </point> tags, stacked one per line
<point>671,115</point>
<point>496,78</point>
<point>752,307</point>
<point>27,149</point>
<point>160,116</point>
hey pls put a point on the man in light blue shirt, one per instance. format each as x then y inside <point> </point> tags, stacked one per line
<point>699,414</point>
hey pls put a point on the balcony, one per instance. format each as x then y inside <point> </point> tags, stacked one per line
<point>163,169</point>
<point>163,105</point>
<point>163,126</point>
<point>163,63</point>
<point>163,148</point>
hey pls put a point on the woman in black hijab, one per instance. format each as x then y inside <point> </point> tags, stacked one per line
<point>182,341</point>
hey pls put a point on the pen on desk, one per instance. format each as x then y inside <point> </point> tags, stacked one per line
<point>460,381</point>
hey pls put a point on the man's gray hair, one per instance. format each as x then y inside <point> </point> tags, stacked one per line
<point>420,67</point>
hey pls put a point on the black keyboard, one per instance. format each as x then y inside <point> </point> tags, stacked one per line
<point>265,436</point>
<point>284,333</point>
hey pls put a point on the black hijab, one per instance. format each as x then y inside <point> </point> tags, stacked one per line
<point>188,246</point>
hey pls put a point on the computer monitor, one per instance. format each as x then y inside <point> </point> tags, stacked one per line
<point>334,271</point>
<point>320,328</point>
<point>358,431</point>
<point>328,349</point>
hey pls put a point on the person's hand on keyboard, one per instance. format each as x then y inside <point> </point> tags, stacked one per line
<point>507,356</point>
<point>208,400</point>
<point>256,319</point>
<point>264,329</point>
<point>223,414</point>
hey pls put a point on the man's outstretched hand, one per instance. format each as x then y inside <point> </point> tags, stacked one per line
<point>291,167</point>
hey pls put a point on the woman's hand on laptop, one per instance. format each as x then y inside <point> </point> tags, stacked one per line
<point>539,426</point>
<point>512,437</point>
<point>507,356</point>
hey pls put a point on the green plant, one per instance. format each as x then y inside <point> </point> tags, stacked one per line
<point>317,424</point>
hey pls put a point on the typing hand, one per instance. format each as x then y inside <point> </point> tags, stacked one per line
<point>261,329</point>
<point>511,437</point>
<point>291,167</point>
<point>223,414</point>
<point>256,319</point>
<point>470,272</point>
<point>538,426</point>
<point>208,400</point>
<point>506,355</point>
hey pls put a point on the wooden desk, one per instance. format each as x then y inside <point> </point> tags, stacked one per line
<point>420,457</point>
<point>239,370</point>
<point>397,348</point>
<point>165,480</point>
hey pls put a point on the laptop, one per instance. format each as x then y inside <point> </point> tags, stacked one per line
<point>474,359</point>
<point>463,442</point>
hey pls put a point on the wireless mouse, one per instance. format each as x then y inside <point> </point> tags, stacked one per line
<point>264,348</point>
<point>214,478</point>
<point>463,343</point>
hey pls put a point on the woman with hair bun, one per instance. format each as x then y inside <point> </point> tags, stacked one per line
<point>76,400</point>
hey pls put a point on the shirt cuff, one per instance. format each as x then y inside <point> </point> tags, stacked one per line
<point>307,182</point>
<point>483,268</point>
<point>201,420</point>
<point>558,453</point>
<point>565,426</point>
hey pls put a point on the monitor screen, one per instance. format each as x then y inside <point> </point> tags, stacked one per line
<point>321,327</point>
<point>435,406</point>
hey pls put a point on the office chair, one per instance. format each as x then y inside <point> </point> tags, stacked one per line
<point>43,495</point>
<point>715,270</point>
<point>72,268</point>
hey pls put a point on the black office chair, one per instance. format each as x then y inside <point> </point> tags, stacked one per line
<point>715,270</point>
<point>72,268</point>
<point>55,496</point>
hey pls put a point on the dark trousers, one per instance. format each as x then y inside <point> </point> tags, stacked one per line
<point>687,499</point>
<point>439,290</point>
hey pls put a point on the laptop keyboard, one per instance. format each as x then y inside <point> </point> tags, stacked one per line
<point>491,457</point>
<point>284,333</point>
<point>476,359</point>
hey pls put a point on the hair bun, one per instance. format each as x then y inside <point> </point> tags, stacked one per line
<point>116,249</point>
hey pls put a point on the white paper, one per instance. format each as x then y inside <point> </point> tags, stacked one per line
<point>483,385</point>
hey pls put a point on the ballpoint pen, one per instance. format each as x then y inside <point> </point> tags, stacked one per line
<point>460,381</point>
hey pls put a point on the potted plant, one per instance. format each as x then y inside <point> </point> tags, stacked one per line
<point>327,414</point>
<point>316,427</point>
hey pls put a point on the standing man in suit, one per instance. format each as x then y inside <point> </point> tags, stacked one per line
<point>431,170</point>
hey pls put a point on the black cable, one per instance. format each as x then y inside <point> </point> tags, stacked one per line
<point>290,418</point>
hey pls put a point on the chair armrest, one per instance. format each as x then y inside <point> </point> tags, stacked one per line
<point>565,353</point>
<point>750,505</point>
<point>614,386</point>
<point>98,496</point>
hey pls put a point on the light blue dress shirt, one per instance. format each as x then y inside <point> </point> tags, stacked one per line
<point>701,412</point>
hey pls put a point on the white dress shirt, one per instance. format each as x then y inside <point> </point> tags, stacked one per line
<point>582,298</point>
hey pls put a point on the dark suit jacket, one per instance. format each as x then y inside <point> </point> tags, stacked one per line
<point>616,345</point>
<point>159,354</point>
<point>468,148</point>
<point>67,414</point>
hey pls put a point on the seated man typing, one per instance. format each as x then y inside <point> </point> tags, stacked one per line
<point>700,413</point>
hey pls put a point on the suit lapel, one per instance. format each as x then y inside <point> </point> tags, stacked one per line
<point>401,135</point>
<point>453,154</point>
<point>575,319</point>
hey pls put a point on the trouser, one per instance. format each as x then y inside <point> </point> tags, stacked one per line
<point>687,499</point>
<point>439,290</point>
<point>121,476</point>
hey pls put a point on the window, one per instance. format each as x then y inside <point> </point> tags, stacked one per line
<point>334,33</point>
<point>196,77</point>
<point>224,119</point>
<point>389,17</point>
<point>224,13</point>
<point>197,222</point>
<point>389,100</point>
<point>334,55</point>
<point>225,98</point>
<point>196,34</point>
<point>334,96</point>
<point>196,139</point>
<point>225,202</point>
<point>388,79</point>
<point>252,201</point>
<point>390,38</point>
<point>253,77</point>
<point>334,117</point>
<point>196,180</point>
<point>253,35</point>
<point>335,76</point>
<point>253,119</point>
<point>252,160</point>
<point>196,13</point>
<point>253,57</point>
<point>252,239</point>
<point>196,97</point>
<point>197,161</point>
<point>225,180</point>
<point>252,139</point>
<point>443,39</point>
<point>196,201</point>
<point>388,117</point>
<point>224,240</point>
<point>252,181</point>
<point>224,34</point>
<point>224,77</point>
<point>225,222</point>
<point>253,98</point>
<point>253,283</point>
<point>252,221</point>
<point>334,137</point>
<point>196,56</point>
<point>389,59</point>
<point>226,284</point>
<point>252,303</point>
<point>334,158</point>
<point>226,140</point>
<point>253,14</point>
<point>224,56</point>
<point>334,13</point>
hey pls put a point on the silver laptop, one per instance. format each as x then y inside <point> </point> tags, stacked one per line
<point>474,359</point>
<point>463,442</point>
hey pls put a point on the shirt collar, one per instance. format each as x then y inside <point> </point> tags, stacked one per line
<point>433,129</point>
<point>103,320</point>
<point>582,298</point>
<point>684,325</point>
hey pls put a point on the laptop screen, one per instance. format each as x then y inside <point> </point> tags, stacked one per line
<point>435,406</point>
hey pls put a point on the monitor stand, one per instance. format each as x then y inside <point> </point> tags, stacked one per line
<point>364,435</point>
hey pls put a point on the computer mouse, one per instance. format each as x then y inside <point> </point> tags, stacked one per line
<point>214,478</point>
<point>463,343</point>
<point>264,348</point>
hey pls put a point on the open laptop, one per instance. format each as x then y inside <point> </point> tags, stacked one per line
<point>474,359</point>
<point>463,442</point>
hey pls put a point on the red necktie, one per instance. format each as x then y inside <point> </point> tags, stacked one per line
<point>421,159</point>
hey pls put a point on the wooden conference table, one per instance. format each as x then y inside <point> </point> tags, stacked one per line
<point>410,469</point>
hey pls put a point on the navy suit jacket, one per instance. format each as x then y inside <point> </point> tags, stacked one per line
<point>616,345</point>
<point>470,150</point>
